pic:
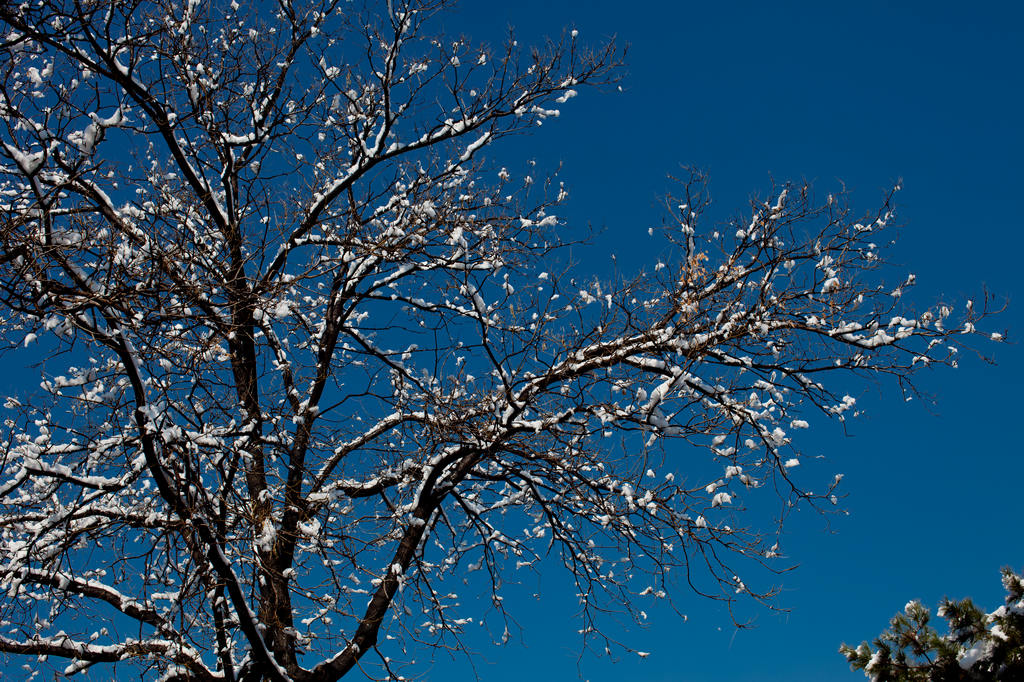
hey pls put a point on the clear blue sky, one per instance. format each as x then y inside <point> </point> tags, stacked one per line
<point>860,93</point>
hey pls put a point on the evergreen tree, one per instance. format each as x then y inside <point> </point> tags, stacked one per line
<point>978,646</point>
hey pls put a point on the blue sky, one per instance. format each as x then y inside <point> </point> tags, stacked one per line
<point>854,93</point>
<point>860,94</point>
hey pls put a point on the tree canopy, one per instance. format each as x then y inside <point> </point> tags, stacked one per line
<point>313,353</point>
<point>977,646</point>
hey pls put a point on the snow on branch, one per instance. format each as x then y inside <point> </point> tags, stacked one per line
<point>311,354</point>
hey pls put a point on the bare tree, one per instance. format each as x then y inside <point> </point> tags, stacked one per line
<point>309,354</point>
